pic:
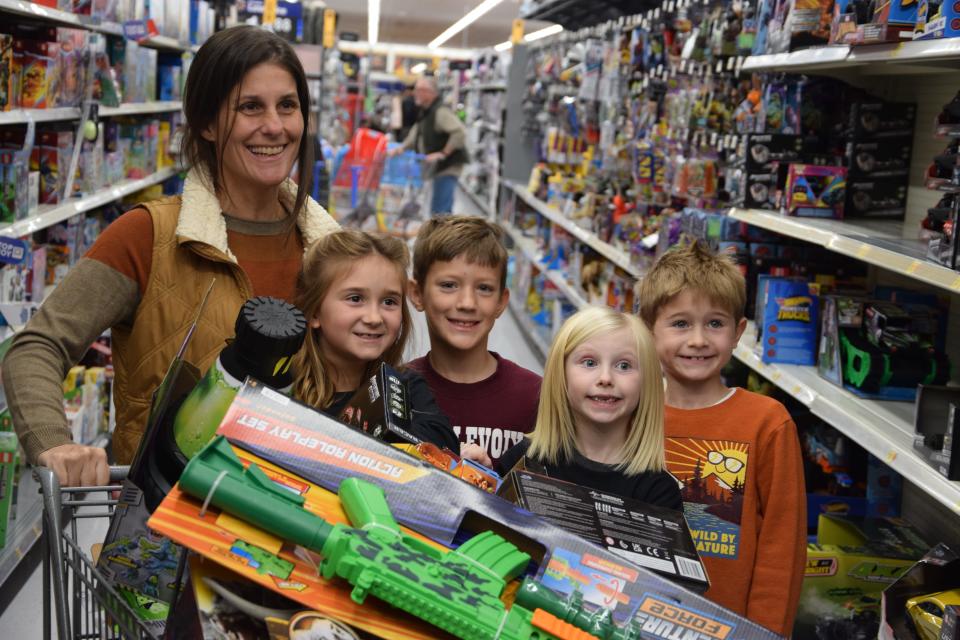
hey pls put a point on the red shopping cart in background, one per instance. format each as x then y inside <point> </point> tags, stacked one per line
<point>357,178</point>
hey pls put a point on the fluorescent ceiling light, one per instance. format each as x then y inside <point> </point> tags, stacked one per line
<point>543,33</point>
<point>530,37</point>
<point>472,16</point>
<point>373,21</point>
<point>418,68</point>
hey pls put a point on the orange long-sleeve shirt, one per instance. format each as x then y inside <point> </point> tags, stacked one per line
<point>745,502</point>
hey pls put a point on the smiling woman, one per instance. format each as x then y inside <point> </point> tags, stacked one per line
<point>238,230</point>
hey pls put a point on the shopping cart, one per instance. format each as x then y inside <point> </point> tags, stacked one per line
<point>405,194</point>
<point>85,603</point>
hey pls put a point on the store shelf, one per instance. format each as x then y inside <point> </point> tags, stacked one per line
<point>531,332</point>
<point>22,116</point>
<point>575,14</point>
<point>529,248</point>
<point>49,215</point>
<point>608,251</point>
<point>875,242</point>
<point>883,428</point>
<point>25,529</point>
<point>476,198</point>
<point>138,108</point>
<point>491,86</point>
<point>910,53</point>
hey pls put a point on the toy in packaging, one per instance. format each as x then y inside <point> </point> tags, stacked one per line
<point>852,562</point>
<point>814,191</point>
<point>8,93</point>
<point>924,601</point>
<point>381,408</point>
<point>937,19</point>
<point>937,425</point>
<point>658,538</point>
<point>790,320</point>
<point>8,471</point>
<point>872,119</point>
<point>38,71</point>
<point>318,456</point>
<point>868,159</point>
<point>880,198</point>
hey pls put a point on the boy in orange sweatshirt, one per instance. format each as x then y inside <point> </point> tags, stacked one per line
<point>736,453</point>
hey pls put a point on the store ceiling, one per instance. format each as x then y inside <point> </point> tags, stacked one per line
<point>420,21</point>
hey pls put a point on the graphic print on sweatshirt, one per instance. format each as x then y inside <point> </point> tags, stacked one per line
<point>713,474</point>
<point>494,440</point>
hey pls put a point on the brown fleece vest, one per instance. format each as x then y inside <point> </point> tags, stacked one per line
<point>180,273</point>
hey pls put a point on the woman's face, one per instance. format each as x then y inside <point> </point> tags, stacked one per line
<point>260,149</point>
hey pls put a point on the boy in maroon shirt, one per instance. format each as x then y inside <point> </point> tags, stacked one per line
<point>459,282</point>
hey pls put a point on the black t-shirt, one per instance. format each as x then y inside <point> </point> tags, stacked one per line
<point>427,422</point>
<point>658,488</point>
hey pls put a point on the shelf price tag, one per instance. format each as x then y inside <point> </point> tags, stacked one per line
<point>891,456</point>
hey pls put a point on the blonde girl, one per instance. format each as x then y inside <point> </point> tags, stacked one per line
<point>600,417</point>
<point>352,288</point>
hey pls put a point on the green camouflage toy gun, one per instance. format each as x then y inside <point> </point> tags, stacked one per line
<point>457,591</point>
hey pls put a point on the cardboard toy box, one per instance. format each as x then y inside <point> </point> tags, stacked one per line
<point>938,570</point>
<point>852,562</point>
<point>311,454</point>
<point>8,477</point>
<point>815,191</point>
<point>937,424</point>
<point>380,408</point>
<point>647,535</point>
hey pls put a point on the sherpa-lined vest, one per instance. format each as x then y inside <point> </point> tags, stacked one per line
<point>180,274</point>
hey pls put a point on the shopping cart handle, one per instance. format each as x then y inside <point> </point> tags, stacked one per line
<point>46,475</point>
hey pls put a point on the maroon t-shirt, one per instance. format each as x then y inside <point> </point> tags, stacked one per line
<point>493,413</point>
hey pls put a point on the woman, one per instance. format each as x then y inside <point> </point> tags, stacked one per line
<point>240,224</point>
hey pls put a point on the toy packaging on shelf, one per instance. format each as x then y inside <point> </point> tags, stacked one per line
<point>814,191</point>
<point>306,447</point>
<point>852,562</point>
<point>924,600</point>
<point>9,467</point>
<point>937,424</point>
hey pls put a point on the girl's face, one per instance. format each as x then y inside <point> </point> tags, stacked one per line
<point>604,381</point>
<point>360,317</point>
<point>261,148</point>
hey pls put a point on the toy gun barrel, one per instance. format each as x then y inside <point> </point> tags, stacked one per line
<point>532,596</point>
<point>216,475</point>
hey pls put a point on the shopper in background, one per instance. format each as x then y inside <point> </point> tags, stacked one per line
<point>736,452</point>
<point>441,136</point>
<point>600,420</point>
<point>352,289</point>
<point>460,283</point>
<point>240,224</point>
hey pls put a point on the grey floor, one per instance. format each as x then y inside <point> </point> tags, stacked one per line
<point>22,618</point>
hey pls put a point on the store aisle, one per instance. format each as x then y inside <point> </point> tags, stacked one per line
<point>22,617</point>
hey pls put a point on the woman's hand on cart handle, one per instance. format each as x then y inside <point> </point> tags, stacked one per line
<point>77,465</point>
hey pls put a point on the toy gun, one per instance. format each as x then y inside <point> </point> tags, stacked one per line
<point>457,591</point>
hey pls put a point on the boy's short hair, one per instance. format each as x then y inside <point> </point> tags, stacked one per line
<point>695,268</point>
<point>445,238</point>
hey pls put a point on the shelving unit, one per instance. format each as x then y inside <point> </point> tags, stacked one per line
<point>141,108</point>
<point>25,529</point>
<point>608,251</point>
<point>477,200</point>
<point>917,54</point>
<point>884,428</point>
<point>49,215</point>
<point>23,116</point>
<point>876,242</point>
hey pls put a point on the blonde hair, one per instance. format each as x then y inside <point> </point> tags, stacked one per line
<point>445,238</point>
<point>695,268</point>
<point>325,262</point>
<point>554,436</point>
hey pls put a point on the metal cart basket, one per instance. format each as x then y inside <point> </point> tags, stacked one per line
<point>85,603</point>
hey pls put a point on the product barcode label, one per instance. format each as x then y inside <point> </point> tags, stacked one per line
<point>689,568</point>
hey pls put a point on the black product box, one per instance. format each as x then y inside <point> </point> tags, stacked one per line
<point>869,159</point>
<point>937,426</point>
<point>380,408</point>
<point>878,119</point>
<point>938,570</point>
<point>764,190</point>
<point>886,198</point>
<point>763,150</point>
<point>646,535</point>
<point>943,245</point>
